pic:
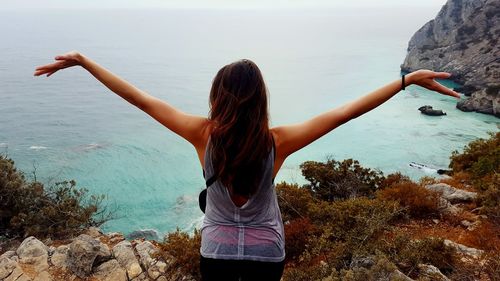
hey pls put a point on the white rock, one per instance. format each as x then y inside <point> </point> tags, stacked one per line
<point>124,254</point>
<point>472,252</point>
<point>60,256</point>
<point>156,269</point>
<point>15,274</point>
<point>31,247</point>
<point>452,194</point>
<point>110,271</point>
<point>428,270</point>
<point>33,251</point>
<point>8,254</point>
<point>6,266</point>
<point>93,232</point>
<point>145,249</point>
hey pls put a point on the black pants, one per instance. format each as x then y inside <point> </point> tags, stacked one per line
<point>243,270</point>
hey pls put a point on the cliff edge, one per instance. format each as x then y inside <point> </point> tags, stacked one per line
<point>463,40</point>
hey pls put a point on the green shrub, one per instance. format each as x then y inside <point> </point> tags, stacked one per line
<point>293,201</point>
<point>481,161</point>
<point>407,253</point>
<point>356,222</point>
<point>480,158</point>
<point>489,199</point>
<point>29,208</point>
<point>340,180</point>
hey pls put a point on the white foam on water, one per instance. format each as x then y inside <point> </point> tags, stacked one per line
<point>38,147</point>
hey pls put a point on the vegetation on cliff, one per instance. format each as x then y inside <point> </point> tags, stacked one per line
<point>348,223</point>
<point>354,223</point>
<point>58,211</point>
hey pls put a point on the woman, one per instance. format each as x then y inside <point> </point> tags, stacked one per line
<point>242,233</point>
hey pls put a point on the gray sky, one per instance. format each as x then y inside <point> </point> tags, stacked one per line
<point>215,4</point>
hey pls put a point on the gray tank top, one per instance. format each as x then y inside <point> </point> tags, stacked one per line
<point>253,231</point>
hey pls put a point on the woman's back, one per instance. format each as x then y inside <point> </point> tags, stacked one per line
<point>253,231</point>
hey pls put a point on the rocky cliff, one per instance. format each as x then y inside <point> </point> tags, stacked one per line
<point>463,40</point>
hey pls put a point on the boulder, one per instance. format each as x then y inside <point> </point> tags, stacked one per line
<point>33,251</point>
<point>156,269</point>
<point>115,237</point>
<point>472,252</point>
<point>31,247</point>
<point>60,256</point>
<point>16,274</point>
<point>8,254</point>
<point>6,267</point>
<point>124,254</point>
<point>428,110</point>
<point>398,275</point>
<point>110,271</point>
<point>432,272</point>
<point>452,194</point>
<point>84,252</point>
<point>93,232</point>
<point>145,249</point>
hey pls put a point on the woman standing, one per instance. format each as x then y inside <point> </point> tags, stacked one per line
<point>242,232</point>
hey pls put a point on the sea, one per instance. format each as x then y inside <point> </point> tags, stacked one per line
<point>69,126</point>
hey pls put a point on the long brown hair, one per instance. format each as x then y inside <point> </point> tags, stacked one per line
<point>241,139</point>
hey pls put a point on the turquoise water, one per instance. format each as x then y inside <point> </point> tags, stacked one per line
<point>69,126</point>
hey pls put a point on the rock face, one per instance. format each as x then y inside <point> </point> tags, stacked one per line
<point>463,39</point>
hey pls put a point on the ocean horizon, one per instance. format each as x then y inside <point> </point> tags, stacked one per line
<point>69,126</point>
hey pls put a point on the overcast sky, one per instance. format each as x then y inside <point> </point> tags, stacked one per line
<point>215,4</point>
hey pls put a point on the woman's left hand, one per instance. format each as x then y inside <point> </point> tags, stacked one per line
<point>425,78</point>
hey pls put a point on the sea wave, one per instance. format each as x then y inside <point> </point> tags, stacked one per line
<point>38,147</point>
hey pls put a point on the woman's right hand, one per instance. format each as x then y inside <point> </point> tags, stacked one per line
<point>425,78</point>
<point>62,61</point>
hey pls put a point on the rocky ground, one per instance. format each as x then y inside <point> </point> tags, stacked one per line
<point>92,256</point>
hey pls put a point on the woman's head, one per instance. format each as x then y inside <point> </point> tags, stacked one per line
<point>241,139</point>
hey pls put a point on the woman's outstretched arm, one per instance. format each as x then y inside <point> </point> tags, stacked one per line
<point>291,138</point>
<point>187,126</point>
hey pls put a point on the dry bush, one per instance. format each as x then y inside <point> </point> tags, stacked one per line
<point>186,251</point>
<point>298,234</point>
<point>472,270</point>
<point>485,236</point>
<point>418,201</point>
<point>426,180</point>
<point>394,178</point>
<point>460,180</point>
